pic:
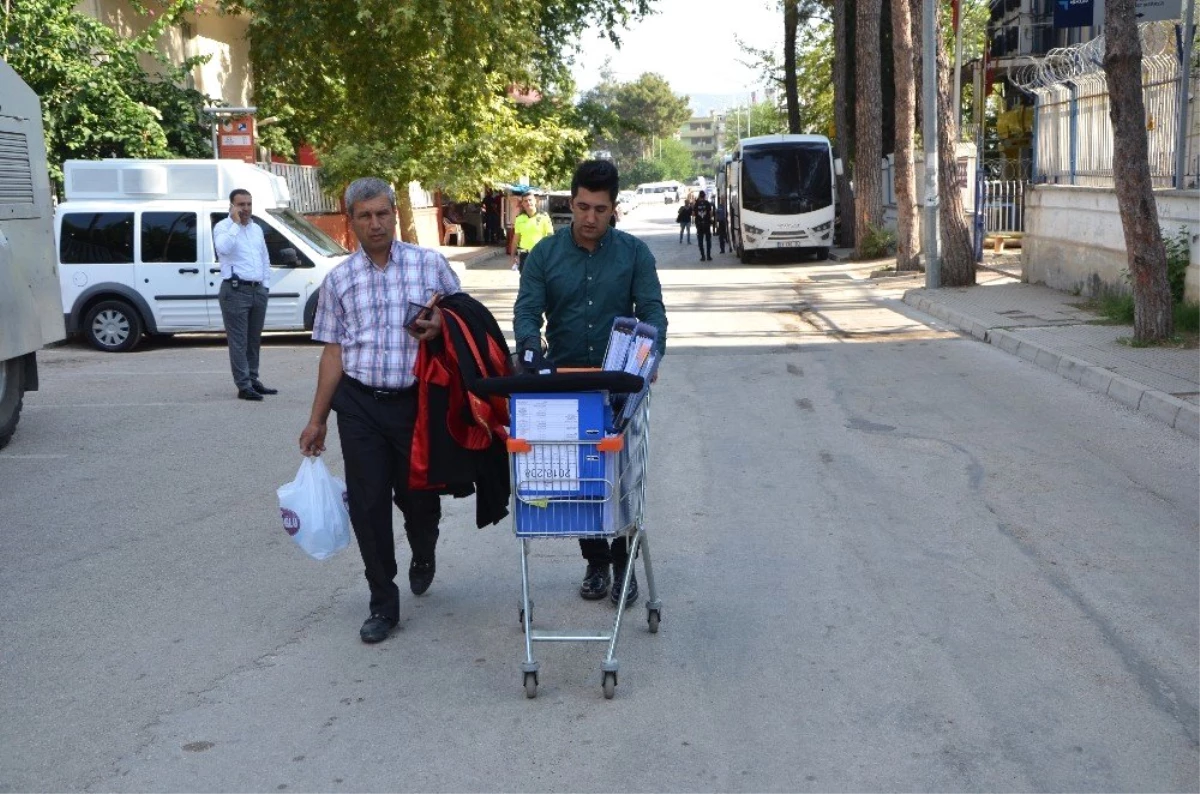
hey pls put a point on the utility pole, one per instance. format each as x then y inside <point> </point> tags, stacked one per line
<point>929,135</point>
<point>958,70</point>
<point>1185,69</point>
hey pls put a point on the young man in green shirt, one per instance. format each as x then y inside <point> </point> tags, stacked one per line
<point>529,227</point>
<point>576,282</point>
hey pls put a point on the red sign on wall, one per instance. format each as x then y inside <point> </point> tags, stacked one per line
<point>235,138</point>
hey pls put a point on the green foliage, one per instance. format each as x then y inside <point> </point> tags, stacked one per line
<point>627,118</point>
<point>424,89</point>
<point>762,118</point>
<point>1187,317</point>
<point>1178,247</point>
<point>877,242</point>
<point>97,98</point>
<point>671,160</point>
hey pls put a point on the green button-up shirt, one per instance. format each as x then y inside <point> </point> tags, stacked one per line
<point>579,293</point>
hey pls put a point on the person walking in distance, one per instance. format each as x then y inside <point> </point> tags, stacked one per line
<point>245,287</point>
<point>576,282</point>
<point>366,376</point>
<point>722,216</point>
<point>702,212</point>
<point>684,219</point>
<point>529,227</point>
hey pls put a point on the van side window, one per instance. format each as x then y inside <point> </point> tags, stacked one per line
<point>168,237</point>
<point>96,238</point>
<point>276,244</point>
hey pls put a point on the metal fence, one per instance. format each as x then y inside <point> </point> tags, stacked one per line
<point>1003,206</point>
<point>1073,141</point>
<point>308,197</point>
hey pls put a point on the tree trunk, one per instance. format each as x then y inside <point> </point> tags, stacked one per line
<point>841,122</point>
<point>406,219</point>
<point>958,256</point>
<point>791,19</point>
<point>868,124</point>
<point>906,123</point>
<point>1152,311</point>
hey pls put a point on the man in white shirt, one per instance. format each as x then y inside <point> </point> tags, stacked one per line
<point>245,285</point>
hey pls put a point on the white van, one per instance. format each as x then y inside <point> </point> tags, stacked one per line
<point>136,255</point>
<point>659,192</point>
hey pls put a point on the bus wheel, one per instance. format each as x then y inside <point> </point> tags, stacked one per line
<point>746,256</point>
<point>821,254</point>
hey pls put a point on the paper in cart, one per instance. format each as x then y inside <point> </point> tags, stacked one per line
<point>619,342</point>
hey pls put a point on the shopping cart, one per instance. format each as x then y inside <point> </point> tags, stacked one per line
<point>592,486</point>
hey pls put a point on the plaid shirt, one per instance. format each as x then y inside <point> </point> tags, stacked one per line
<point>363,309</point>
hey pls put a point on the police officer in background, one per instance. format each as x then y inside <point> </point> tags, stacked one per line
<point>245,286</point>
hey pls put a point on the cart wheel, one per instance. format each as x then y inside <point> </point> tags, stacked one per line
<point>610,685</point>
<point>531,685</point>
<point>652,618</point>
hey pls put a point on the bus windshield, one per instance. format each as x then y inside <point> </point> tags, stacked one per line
<point>787,180</point>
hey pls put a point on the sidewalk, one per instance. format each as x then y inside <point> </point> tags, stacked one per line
<point>1047,327</point>
<point>465,256</point>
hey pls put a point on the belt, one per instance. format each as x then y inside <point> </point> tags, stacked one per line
<point>382,395</point>
<point>235,281</point>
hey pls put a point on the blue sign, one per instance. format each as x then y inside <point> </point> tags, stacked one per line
<point>1073,13</point>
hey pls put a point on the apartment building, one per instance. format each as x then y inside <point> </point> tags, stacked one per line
<point>702,135</point>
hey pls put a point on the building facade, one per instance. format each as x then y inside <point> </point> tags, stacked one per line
<point>702,135</point>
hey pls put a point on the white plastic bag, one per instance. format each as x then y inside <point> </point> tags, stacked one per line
<point>314,510</point>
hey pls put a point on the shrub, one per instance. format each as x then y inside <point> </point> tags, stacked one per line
<point>877,242</point>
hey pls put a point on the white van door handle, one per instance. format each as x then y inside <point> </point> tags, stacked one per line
<point>214,270</point>
<point>189,270</point>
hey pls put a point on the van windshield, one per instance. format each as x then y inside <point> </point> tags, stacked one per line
<point>788,179</point>
<point>315,237</point>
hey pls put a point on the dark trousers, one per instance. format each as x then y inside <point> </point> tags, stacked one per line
<point>598,551</point>
<point>376,446</point>
<point>722,234</point>
<point>704,238</point>
<point>243,311</point>
<point>521,257</point>
<point>685,227</point>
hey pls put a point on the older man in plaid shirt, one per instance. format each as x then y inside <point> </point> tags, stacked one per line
<point>366,374</point>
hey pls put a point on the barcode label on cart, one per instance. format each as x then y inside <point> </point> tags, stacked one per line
<point>549,467</point>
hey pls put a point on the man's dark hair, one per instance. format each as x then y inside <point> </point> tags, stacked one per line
<point>596,175</point>
<point>238,191</point>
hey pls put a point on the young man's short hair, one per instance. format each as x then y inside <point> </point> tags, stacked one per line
<point>596,175</point>
<point>238,191</point>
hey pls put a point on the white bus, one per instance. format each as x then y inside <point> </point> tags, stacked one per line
<point>780,192</point>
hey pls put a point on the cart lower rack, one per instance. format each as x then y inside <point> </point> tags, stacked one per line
<point>585,484</point>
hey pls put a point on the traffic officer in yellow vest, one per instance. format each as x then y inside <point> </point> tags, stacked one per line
<point>529,227</point>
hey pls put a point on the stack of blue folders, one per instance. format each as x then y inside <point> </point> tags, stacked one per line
<point>631,348</point>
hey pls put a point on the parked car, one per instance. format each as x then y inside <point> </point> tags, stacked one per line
<point>136,255</point>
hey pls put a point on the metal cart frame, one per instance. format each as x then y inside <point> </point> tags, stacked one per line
<point>604,500</point>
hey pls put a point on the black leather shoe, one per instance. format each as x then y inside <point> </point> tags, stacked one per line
<point>261,389</point>
<point>618,577</point>
<point>420,575</point>
<point>376,628</point>
<point>249,394</point>
<point>595,582</point>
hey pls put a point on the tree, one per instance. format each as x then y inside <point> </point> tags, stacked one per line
<point>958,256</point>
<point>906,123</point>
<point>454,95</point>
<point>868,198</point>
<point>672,160</point>
<point>760,118</point>
<point>791,20</point>
<point>97,99</point>
<point>635,114</point>
<point>843,130</point>
<point>1152,307</point>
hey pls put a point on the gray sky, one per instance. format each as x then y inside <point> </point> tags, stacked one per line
<point>672,41</point>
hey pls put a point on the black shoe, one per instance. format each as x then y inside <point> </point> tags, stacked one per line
<point>595,581</point>
<point>376,628</point>
<point>420,575</point>
<point>249,394</point>
<point>261,389</point>
<point>618,577</point>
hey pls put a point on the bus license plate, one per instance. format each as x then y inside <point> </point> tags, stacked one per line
<point>789,244</point>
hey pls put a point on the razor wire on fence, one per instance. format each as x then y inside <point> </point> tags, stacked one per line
<point>1073,141</point>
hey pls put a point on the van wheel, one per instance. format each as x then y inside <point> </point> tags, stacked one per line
<point>821,254</point>
<point>112,326</point>
<point>11,392</point>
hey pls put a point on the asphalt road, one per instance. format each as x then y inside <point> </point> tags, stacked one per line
<point>891,559</point>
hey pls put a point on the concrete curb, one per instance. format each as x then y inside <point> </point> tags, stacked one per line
<point>1172,411</point>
